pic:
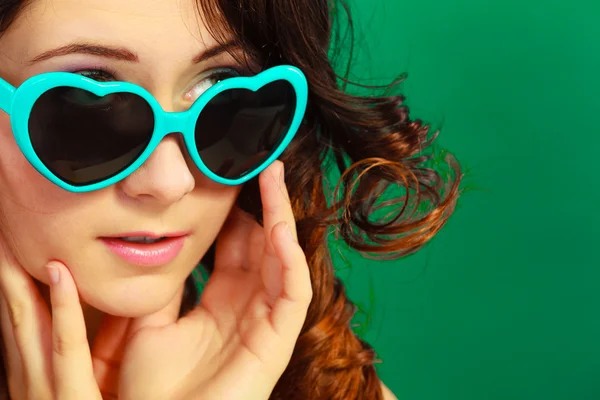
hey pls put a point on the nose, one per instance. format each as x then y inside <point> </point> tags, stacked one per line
<point>165,177</point>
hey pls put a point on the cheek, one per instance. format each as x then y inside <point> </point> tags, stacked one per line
<point>38,227</point>
<point>36,217</point>
<point>21,184</point>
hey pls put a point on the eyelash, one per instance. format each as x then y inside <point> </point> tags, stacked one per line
<point>98,72</point>
<point>106,74</point>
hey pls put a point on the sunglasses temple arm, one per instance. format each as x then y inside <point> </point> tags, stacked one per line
<point>7,92</point>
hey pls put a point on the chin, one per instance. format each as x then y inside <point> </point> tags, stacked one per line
<point>132,300</point>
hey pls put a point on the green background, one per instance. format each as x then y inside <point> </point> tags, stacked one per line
<point>504,303</point>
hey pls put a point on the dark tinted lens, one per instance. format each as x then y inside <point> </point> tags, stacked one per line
<point>238,129</point>
<point>83,138</point>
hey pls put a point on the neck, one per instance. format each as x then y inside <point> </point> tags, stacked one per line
<point>92,316</point>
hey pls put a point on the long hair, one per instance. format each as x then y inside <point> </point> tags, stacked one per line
<point>374,146</point>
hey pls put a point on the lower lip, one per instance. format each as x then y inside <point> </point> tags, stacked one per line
<point>146,255</point>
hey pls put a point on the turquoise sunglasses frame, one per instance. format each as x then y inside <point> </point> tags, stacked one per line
<point>18,103</point>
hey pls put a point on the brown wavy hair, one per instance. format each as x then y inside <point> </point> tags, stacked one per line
<point>375,147</point>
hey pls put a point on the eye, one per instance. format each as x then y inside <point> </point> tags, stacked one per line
<point>83,98</point>
<point>100,75</point>
<point>207,80</point>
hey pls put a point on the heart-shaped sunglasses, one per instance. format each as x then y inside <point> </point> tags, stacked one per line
<point>85,135</point>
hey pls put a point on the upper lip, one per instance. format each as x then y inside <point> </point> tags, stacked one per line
<point>151,235</point>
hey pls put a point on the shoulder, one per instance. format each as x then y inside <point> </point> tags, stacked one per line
<point>387,393</point>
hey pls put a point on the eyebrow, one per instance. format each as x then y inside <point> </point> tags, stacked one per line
<point>120,53</point>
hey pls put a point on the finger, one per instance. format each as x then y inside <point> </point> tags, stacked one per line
<point>71,357</point>
<point>29,321</point>
<point>107,353</point>
<point>275,199</point>
<point>290,308</point>
<point>233,240</point>
<point>256,244</point>
<point>163,317</point>
<point>276,208</point>
<point>10,351</point>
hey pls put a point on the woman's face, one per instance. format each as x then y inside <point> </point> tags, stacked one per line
<point>156,44</point>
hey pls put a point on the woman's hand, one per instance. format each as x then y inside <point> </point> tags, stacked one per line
<point>238,341</point>
<point>46,357</point>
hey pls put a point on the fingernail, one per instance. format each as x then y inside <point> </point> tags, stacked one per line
<point>53,274</point>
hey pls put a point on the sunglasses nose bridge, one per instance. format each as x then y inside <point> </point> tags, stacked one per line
<point>175,122</point>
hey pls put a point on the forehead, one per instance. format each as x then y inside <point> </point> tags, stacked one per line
<point>155,29</point>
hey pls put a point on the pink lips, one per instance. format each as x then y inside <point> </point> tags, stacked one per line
<point>146,254</point>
